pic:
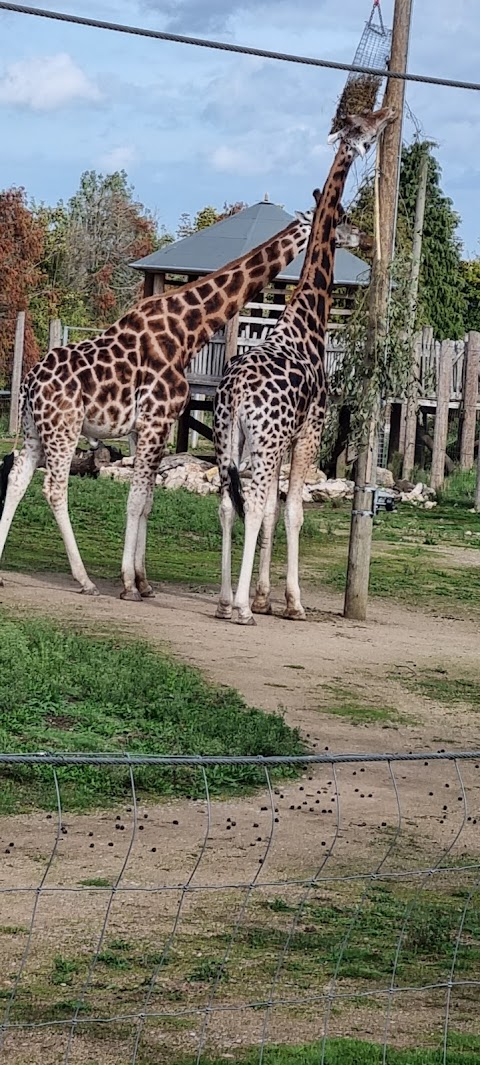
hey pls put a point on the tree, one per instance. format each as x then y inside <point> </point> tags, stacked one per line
<point>441,302</point>
<point>21,249</point>
<point>471,281</point>
<point>207,216</point>
<point>106,229</point>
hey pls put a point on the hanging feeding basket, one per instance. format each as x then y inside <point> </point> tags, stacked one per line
<point>360,92</point>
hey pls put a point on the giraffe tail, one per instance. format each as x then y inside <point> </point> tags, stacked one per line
<point>235,490</point>
<point>5,470</point>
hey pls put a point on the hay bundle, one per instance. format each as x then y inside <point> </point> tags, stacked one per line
<point>360,92</point>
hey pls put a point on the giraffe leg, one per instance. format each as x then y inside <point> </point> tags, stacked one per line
<point>145,589</point>
<point>20,476</point>
<point>261,603</point>
<point>303,454</point>
<point>147,458</point>
<point>227,515</point>
<point>55,490</point>
<point>254,512</point>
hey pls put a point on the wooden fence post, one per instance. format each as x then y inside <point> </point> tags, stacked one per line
<point>231,337</point>
<point>411,410</point>
<point>54,333</point>
<point>477,487</point>
<point>444,386</point>
<point>16,372</point>
<point>470,395</point>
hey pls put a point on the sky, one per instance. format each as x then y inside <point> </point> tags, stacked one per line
<point>193,127</point>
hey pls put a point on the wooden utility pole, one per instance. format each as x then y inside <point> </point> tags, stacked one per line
<point>388,161</point>
<point>470,397</point>
<point>412,390</point>
<point>444,390</point>
<point>54,333</point>
<point>16,373</point>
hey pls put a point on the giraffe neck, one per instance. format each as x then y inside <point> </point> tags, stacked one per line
<point>313,295</point>
<point>193,313</point>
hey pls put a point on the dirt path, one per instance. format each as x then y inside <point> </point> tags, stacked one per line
<point>287,665</point>
<point>320,827</point>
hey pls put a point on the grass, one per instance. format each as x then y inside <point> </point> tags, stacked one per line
<point>185,541</point>
<point>349,702</point>
<point>337,932</point>
<point>462,1050</point>
<point>444,687</point>
<point>69,691</point>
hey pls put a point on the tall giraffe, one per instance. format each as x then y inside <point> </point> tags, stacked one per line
<point>131,380</point>
<point>273,399</point>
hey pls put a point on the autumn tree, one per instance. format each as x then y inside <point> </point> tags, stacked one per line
<point>21,250</point>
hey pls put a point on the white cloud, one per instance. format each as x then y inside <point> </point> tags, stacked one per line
<point>46,83</point>
<point>118,158</point>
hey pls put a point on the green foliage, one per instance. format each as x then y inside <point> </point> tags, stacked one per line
<point>471,283</point>
<point>64,691</point>
<point>441,300</point>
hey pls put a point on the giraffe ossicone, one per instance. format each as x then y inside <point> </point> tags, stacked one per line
<point>273,398</point>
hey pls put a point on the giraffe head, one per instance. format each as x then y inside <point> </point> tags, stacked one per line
<point>347,235</point>
<point>360,131</point>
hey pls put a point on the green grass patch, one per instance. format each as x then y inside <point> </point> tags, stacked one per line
<point>350,703</point>
<point>184,543</point>
<point>462,1050</point>
<point>68,691</point>
<point>445,688</point>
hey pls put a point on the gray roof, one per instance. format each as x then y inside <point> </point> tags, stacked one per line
<point>213,247</point>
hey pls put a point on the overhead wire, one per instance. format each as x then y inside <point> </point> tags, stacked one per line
<point>240,49</point>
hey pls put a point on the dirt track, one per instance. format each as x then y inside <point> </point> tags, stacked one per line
<point>277,664</point>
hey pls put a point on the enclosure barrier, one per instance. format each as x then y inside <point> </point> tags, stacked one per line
<point>339,897</point>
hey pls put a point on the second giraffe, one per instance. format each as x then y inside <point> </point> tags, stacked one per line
<point>273,399</point>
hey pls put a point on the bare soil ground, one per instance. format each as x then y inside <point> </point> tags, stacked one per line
<point>298,843</point>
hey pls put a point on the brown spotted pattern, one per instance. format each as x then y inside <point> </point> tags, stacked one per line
<point>131,380</point>
<point>272,400</point>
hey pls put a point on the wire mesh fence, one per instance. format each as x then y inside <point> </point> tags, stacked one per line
<point>284,901</point>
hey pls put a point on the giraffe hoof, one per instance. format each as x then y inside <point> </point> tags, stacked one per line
<point>261,606</point>
<point>91,589</point>
<point>294,615</point>
<point>146,591</point>
<point>223,612</point>
<point>248,620</point>
<point>132,595</point>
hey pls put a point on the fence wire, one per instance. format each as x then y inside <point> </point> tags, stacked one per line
<point>338,899</point>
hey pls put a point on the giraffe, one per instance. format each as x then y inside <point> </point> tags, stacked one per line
<point>130,381</point>
<point>273,399</point>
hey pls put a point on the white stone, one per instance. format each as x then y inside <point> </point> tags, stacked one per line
<point>128,460</point>
<point>429,504</point>
<point>385,478</point>
<point>116,473</point>
<point>314,475</point>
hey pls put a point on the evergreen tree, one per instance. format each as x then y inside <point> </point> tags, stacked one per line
<point>441,300</point>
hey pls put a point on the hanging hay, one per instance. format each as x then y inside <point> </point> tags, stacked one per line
<point>361,90</point>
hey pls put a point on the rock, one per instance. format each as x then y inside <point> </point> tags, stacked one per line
<point>213,476</point>
<point>315,476</point>
<point>385,478</point>
<point>116,473</point>
<point>404,486</point>
<point>128,460</point>
<point>337,488</point>
<point>429,504</point>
